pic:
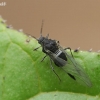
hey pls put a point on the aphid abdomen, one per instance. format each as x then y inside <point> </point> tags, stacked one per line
<point>63,56</point>
<point>60,64</point>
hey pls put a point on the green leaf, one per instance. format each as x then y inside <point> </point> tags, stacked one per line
<point>63,96</point>
<point>24,76</point>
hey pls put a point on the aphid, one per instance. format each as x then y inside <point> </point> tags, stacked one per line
<point>62,59</point>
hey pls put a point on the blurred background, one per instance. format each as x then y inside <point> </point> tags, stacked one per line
<point>75,23</point>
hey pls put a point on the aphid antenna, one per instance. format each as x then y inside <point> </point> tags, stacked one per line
<point>41,28</point>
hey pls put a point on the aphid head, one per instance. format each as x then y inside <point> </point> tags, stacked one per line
<point>40,40</point>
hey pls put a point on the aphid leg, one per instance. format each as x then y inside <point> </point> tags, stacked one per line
<point>36,48</point>
<point>43,58</point>
<point>35,38</point>
<point>54,70</point>
<point>70,50</point>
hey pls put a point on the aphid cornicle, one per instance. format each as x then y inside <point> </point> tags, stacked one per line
<point>62,59</point>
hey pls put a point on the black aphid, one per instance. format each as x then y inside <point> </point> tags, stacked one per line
<point>62,59</point>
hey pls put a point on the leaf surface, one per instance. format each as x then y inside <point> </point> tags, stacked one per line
<point>24,76</point>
